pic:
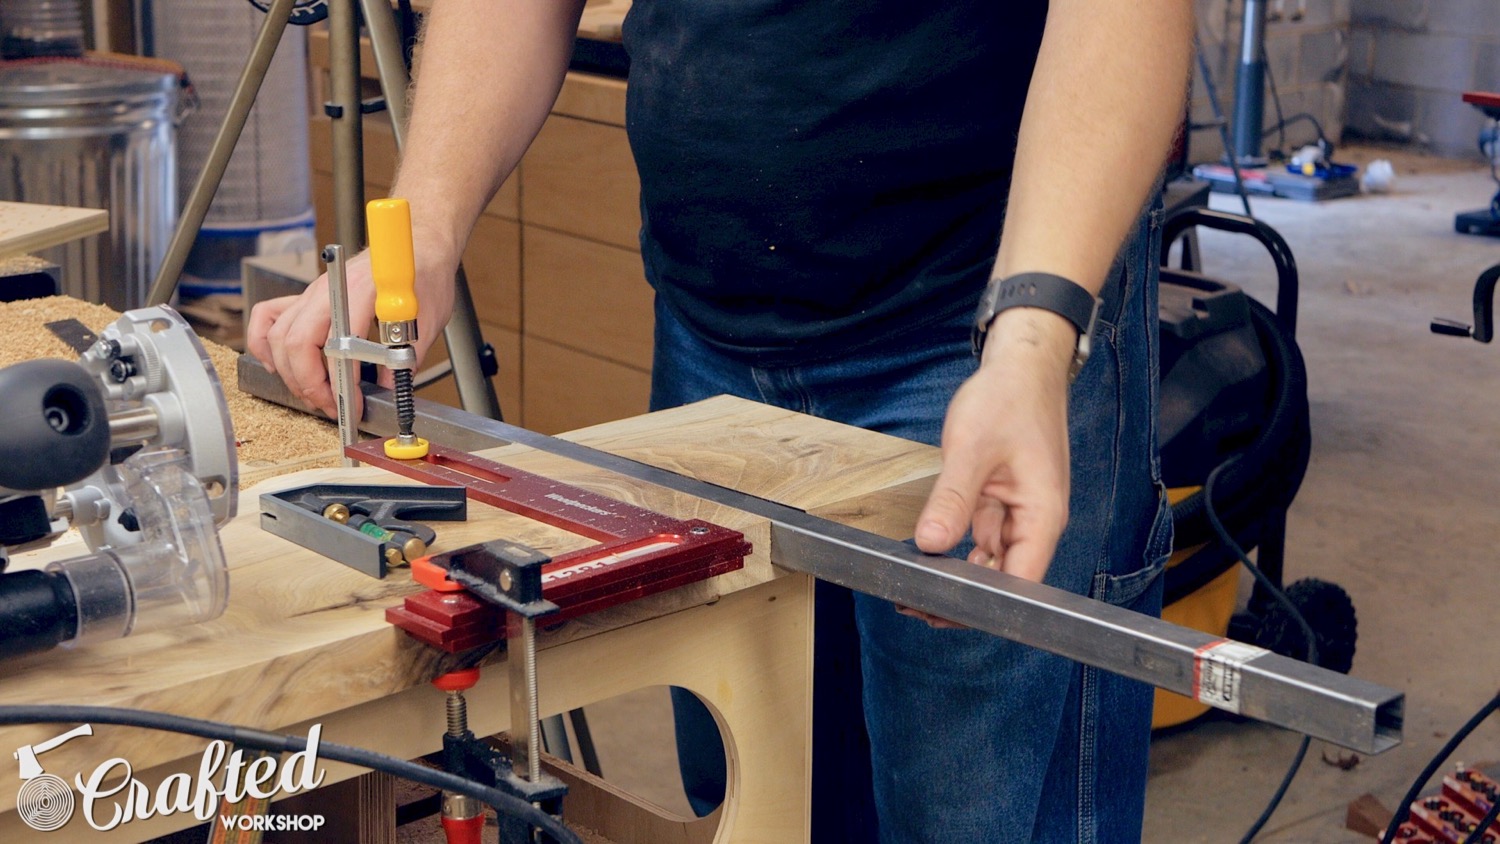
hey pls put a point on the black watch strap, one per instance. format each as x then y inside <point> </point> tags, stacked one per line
<point>1049,292</point>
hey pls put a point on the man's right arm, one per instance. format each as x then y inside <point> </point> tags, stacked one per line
<point>488,73</point>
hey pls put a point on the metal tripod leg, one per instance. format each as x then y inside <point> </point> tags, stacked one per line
<point>465,343</point>
<point>348,127</point>
<point>555,738</point>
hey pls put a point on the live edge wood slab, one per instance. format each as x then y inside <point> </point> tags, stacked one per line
<point>304,640</point>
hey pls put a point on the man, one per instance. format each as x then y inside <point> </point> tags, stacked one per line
<point>823,187</point>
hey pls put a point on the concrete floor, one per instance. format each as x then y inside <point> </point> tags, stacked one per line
<point>1401,507</point>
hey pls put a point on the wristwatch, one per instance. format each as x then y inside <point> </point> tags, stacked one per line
<point>1048,292</point>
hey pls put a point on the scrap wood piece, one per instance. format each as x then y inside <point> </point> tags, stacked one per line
<point>27,226</point>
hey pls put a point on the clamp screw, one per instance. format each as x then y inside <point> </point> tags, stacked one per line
<point>454,683</point>
<point>458,713</point>
<point>505,580</point>
<point>700,530</point>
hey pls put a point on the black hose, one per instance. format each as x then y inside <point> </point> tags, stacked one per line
<point>1286,432</point>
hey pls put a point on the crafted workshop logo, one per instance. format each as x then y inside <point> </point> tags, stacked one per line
<point>111,795</point>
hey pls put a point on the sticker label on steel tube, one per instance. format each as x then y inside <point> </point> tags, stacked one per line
<point>1217,670</point>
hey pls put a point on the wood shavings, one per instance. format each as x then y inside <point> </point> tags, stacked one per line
<point>273,439</point>
<point>17,264</point>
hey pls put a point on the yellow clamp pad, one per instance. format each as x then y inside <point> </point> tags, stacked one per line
<point>391,263</point>
<point>396,451</point>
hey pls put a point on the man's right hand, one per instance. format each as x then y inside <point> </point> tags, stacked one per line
<point>288,334</point>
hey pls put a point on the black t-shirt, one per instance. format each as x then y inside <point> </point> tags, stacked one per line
<point>818,175</point>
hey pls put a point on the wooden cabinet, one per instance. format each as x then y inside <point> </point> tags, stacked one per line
<point>554,262</point>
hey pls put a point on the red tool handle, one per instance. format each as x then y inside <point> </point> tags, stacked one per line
<point>464,830</point>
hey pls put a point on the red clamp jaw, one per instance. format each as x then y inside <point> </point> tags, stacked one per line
<point>640,552</point>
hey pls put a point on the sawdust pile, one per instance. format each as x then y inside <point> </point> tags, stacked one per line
<point>18,264</point>
<point>269,435</point>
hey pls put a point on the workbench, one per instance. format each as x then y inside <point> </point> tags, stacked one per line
<point>305,642</point>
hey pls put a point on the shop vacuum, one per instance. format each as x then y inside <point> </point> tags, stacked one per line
<point>1234,392</point>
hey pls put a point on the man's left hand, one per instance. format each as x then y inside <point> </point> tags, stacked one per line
<point>1005,472</point>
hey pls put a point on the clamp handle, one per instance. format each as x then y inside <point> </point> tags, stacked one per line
<point>1483,328</point>
<point>391,263</point>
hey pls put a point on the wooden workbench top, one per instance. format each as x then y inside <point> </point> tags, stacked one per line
<point>304,636</point>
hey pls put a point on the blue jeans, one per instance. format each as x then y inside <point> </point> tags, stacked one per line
<point>966,737</point>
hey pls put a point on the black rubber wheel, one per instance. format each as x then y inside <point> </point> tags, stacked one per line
<point>1329,612</point>
<point>55,426</point>
<point>1244,627</point>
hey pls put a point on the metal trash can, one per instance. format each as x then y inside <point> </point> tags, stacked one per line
<point>41,28</point>
<point>95,133</point>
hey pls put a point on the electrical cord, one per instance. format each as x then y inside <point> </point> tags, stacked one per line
<point>1307,633</point>
<point>1307,116</point>
<point>1476,835</point>
<point>1403,810</point>
<point>1282,121</point>
<point>277,743</point>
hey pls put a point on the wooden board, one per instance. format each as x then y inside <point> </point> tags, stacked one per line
<point>563,388</point>
<point>304,639</point>
<point>602,19</point>
<point>28,227</point>
<point>579,177</point>
<point>588,296</point>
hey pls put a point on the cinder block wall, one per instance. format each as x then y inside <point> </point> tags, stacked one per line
<point>1409,61</point>
<point>1306,55</point>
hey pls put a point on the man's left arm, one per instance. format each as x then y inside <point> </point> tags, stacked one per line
<point>1105,100</point>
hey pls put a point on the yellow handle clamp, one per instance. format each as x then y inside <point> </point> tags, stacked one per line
<point>391,263</point>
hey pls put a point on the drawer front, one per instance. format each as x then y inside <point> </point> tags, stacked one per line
<point>564,389</point>
<point>587,296</point>
<point>580,178</point>
<point>492,263</point>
